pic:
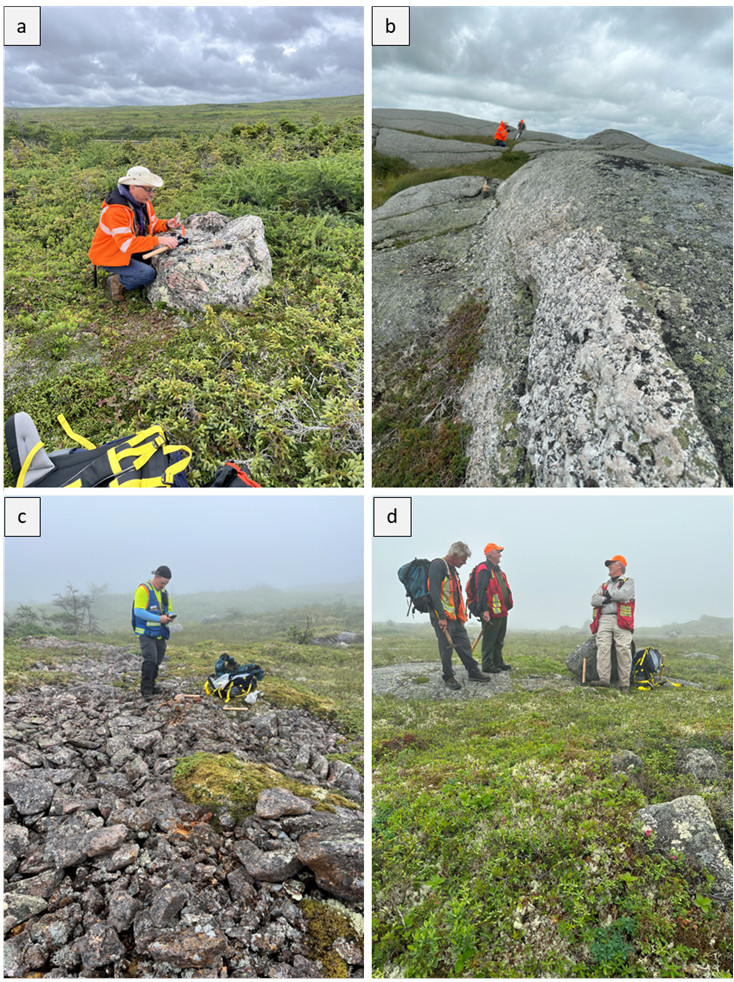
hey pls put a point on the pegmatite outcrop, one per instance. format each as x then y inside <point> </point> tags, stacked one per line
<point>226,262</point>
<point>605,358</point>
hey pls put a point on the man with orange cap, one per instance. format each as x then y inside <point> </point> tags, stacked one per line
<point>494,599</point>
<point>500,135</point>
<point>520,129</point>
<point>613,623</point>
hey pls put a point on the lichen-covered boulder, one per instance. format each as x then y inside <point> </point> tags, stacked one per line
<point>685,827</point>
<point>226,262</point>
<point>587,650</point>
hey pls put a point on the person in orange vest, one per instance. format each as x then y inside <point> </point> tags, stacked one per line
<point>500,136</point>
<point>128,228</point>
<point>614,621</point>
<point>520,129</point>
<point>495,602</point>
<point>448,615</point>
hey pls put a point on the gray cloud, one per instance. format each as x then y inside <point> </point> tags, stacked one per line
<point>98,56</point>
<point>663,73</point>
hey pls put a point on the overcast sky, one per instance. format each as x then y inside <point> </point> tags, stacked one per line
<point>220,542</point>
<point>662,73</point>
<point>111,56</point>
<point>678,550</point>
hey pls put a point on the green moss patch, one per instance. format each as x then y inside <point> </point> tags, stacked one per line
<point>219,781</point>
<point>325,924</point>
<point>418,438</point>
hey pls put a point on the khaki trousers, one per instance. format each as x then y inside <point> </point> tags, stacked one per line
<point>610,631</point>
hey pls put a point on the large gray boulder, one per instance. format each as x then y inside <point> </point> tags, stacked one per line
<point>605,357</point>
<point>587,650</point>
<point>685,827</point>
<point>227,262</point>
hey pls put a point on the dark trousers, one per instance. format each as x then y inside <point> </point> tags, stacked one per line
<point>461,643</point>
<point>493,640</point>
<point>153,651</point>
<point>136,274</point>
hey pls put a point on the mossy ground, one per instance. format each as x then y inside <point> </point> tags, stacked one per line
<point>504,844</point>
<point>325,924</point>
<point>219,781</point>
<point>418,437</point>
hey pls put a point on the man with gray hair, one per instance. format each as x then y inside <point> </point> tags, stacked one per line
<point>613,624</point>
<point>448,615</point>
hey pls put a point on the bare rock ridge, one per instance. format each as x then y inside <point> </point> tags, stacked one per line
<point>605,357</point>
<point>421,138</point>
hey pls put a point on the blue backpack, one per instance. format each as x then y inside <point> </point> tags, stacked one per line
<point>414,577</point>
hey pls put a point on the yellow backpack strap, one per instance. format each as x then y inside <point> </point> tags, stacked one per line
<point>27,463</point>
<point>141,448</point>
<point>75,436</point>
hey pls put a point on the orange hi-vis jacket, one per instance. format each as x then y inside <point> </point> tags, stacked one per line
<point>117,239</point>
<point>501,133</point>
<point>452,597</point>
<point>625,614</point>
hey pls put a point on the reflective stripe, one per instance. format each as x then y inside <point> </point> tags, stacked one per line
<point>120,228</point>
<point>126,245</point>
<point>104,228</point>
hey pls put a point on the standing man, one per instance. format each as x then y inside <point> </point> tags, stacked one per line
<point>128,228</point>
<point>151,617</point>
<point>614,621</point>
<point>495,602</point>
<point>448,615</point>
<point>520,129</point>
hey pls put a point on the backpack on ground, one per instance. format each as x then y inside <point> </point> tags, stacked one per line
<point>414,577</point>
<point>233,476</point>
<point>143,460</point>
<point>232,681</point>
<point>647,670</point>
<point>472,597</point>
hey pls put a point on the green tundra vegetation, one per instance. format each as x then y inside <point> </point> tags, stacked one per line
<point>504,844</point>
<point>278,387</point>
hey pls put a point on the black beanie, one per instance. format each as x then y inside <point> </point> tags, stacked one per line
<point>162,571</point>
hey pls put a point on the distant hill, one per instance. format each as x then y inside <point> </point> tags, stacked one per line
<point>144,122</point>
<point>704,627</point>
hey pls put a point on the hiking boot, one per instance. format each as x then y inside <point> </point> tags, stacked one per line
<point>115,289</point>
<point>452,683</point>
<point>504,667</point>
<point>491,670</point>
<point>479,677</point>
<point>624,689</point>
<point>600,684</point>
<point>157,690</point>
<point>147,695</point>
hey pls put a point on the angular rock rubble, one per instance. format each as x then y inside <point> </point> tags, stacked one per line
<point>109,871</point>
